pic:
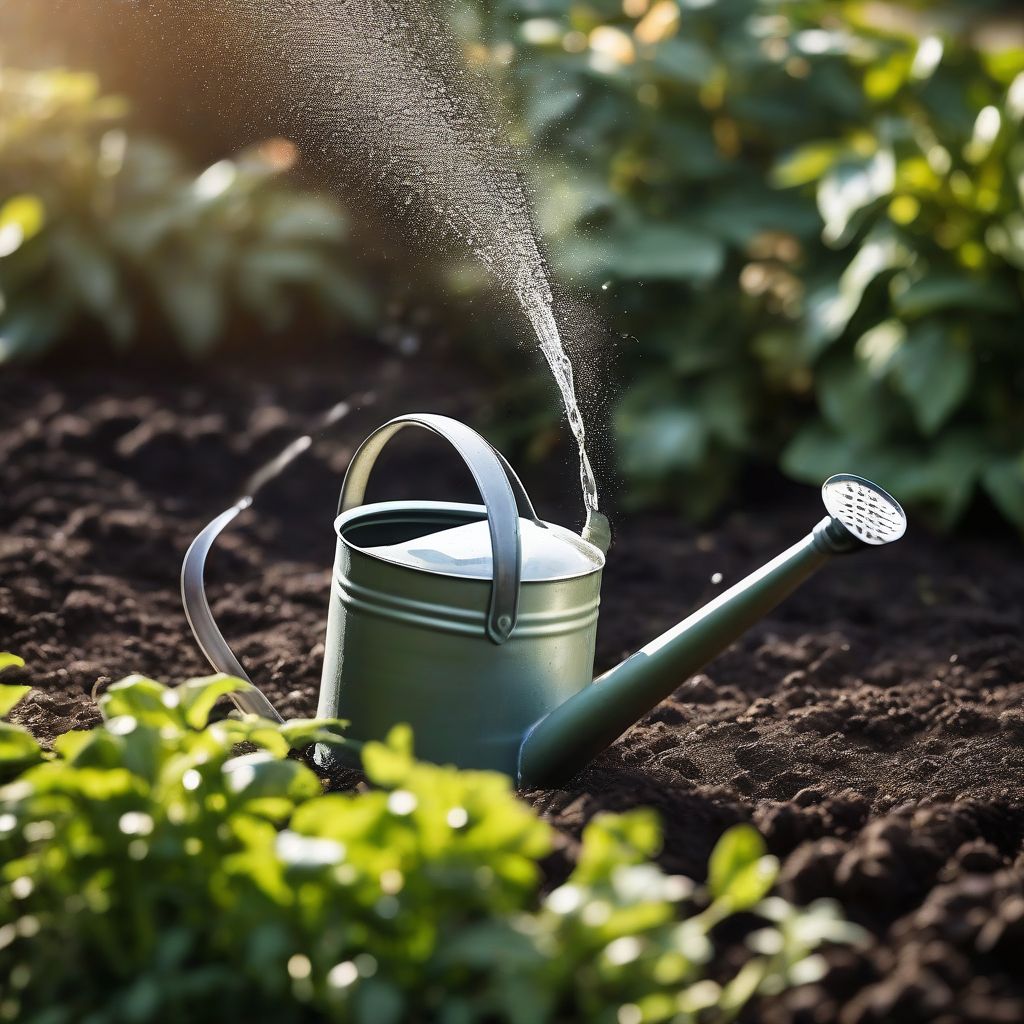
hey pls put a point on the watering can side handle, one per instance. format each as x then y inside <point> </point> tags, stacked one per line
<point>499,488</point>
<point>204,627</point>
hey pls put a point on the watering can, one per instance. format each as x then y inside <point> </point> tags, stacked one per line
<point>476,623</point>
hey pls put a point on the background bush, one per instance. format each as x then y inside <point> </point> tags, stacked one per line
<point>806,215</point>
<point>148,869</point>
<point>107,232</point>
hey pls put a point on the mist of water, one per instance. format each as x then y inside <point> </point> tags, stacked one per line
<point>385,85</point>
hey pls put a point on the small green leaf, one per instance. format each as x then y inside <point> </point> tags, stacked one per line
<point>10,696</point>
<point>742,987</point>
<point>739,848</point>
<point>17,747</point>
<point>303,732</point>
<point>806,164</point>
<point>8,660</point>
<point>143,699</point>
<point>388,764</point>
<point>750,885</point>
<point>198,696</point>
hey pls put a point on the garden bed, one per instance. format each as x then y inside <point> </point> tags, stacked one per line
<point>872,728</point>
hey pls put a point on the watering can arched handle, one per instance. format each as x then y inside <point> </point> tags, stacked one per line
<point>499,487</point>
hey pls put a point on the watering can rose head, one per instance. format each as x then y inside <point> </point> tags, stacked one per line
<point>476,623</point>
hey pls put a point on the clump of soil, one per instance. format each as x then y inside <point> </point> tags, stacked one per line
<point>872,727</point>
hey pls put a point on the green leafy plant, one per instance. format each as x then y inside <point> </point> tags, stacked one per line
<point>151,870</point>
<point>100,226</point>
<point>806,217</point>
<point>913,334</point>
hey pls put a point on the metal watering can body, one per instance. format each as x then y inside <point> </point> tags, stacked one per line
<point>471,648</point>
<point>476,624</point>
<point>404,645</point>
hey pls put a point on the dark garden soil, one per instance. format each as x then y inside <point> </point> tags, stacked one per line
<point>872,727</point>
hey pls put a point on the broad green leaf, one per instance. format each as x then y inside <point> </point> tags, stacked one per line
<point>89,270</point>
<point>941,480</point>
<point>682,59</point>
<point>667,251</point>
<point>31,324</point>
<point>852,399</point>
<point>817,451</point>
<point>739,216</point>
<point>937,292</point>
<point>739,848</point>
<point>851,187</point>
<point>195,304</point>
<point>933,369</point>
<point>1004,482</point>
<point>662,252</point>
<point>830,308</point>
<point>261,775</point>
<point>143,699</point>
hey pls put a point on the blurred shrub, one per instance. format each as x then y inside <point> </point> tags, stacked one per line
<point>150,871</point>
<point>806,219</point>
<point>103,228</point>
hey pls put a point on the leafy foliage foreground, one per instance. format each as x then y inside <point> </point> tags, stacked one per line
<point>151,871</point>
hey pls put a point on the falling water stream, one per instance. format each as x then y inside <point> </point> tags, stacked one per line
<point>383,87</point>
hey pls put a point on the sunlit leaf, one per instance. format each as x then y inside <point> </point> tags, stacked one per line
<point>10,696</point>
<point>21,219</point>
<point>849,188</point>
<point>142,699</point>
<point>197,697</point>
<point>17,748</point>
<point>739,848</point>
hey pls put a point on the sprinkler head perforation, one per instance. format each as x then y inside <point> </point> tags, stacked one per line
<point>865,510</point>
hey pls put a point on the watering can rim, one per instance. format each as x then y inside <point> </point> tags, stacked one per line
<point>480,511</point>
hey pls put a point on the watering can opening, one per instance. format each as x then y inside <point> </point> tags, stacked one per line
<point>462,549</point>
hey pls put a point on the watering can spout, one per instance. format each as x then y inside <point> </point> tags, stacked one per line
<point>598,531</point>
<point>860,515</point>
